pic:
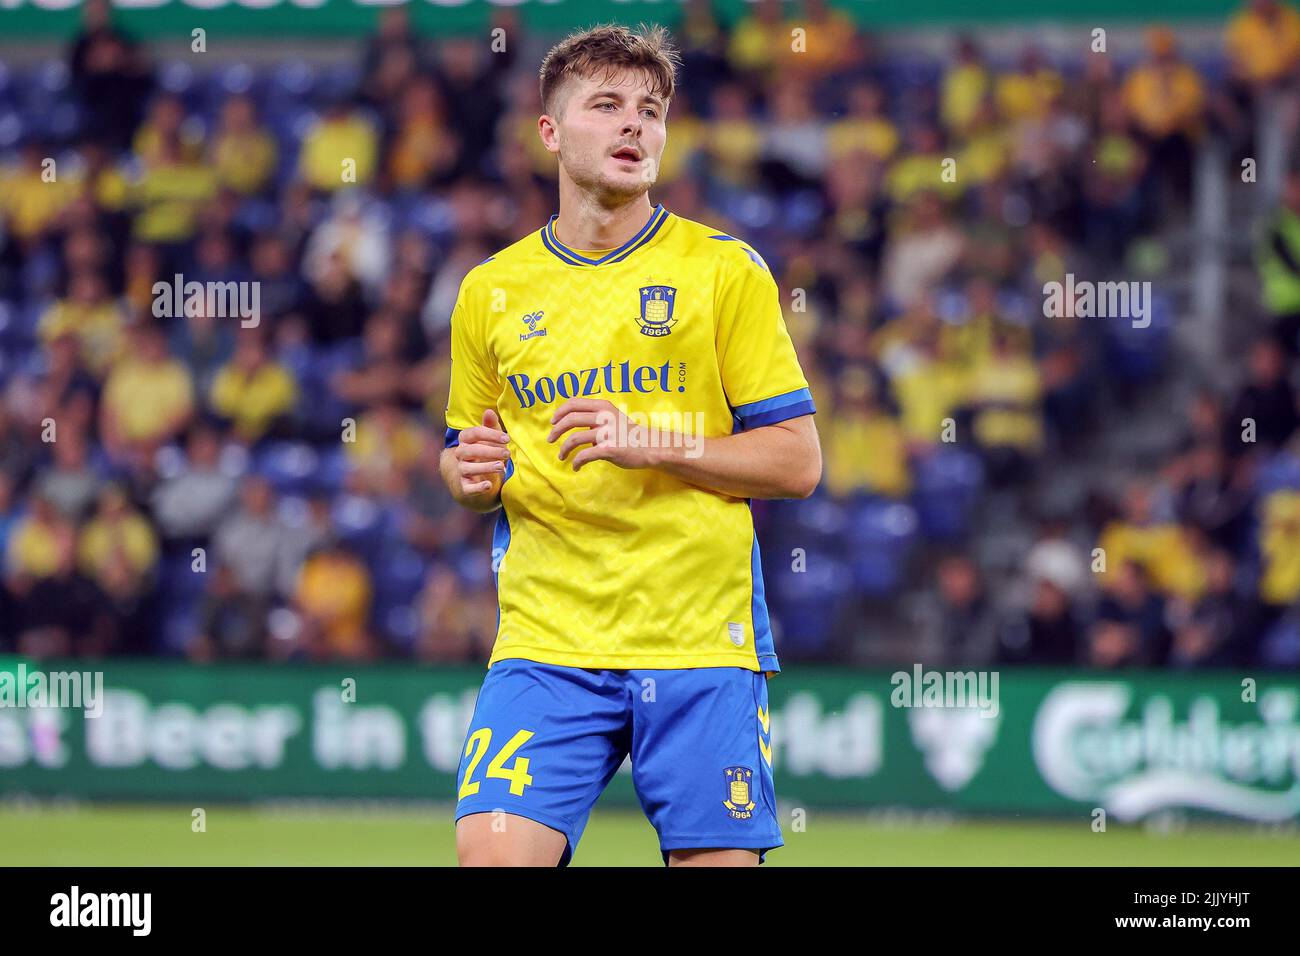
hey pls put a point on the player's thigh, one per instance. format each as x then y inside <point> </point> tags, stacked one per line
<point>543,743</point>
<point>701,760</point>
<point>506,839</point>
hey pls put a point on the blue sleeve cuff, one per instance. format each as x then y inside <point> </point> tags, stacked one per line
<point>769,411</point>
<point>452,439</point>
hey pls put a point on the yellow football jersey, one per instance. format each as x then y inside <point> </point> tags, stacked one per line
<point>681,328</point>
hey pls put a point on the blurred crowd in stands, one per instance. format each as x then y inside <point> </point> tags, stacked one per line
<point>190,486</point>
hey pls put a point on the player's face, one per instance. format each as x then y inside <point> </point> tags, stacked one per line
<point>609,134</point>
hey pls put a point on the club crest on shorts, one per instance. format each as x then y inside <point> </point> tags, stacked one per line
<point>739,802</point>
<point>657,303</point>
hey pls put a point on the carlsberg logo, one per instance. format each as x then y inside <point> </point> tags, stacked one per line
<point>1087,750</point>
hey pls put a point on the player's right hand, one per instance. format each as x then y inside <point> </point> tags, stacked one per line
<point>481,456</point>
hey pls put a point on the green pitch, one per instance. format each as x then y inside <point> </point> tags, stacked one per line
<point>162,836</point>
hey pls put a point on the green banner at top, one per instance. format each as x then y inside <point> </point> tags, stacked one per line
<point>287,19</point>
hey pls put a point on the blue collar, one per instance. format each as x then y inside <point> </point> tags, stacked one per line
<point>658,216</point>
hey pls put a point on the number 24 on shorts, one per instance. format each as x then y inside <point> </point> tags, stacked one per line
<point>518,775</point>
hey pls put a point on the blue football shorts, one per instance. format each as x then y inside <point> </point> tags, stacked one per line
<point>546,740</point>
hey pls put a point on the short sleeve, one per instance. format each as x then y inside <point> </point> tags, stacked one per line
<point>474,383</point>
<point>760,370</point>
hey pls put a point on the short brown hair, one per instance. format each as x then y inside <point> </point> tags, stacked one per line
<point>611,47</point>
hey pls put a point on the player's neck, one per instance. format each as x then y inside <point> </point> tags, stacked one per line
<point>585,224</point>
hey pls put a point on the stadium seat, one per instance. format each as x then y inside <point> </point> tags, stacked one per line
<point>177,577</point>
<point>234,78</point>
<point>339,79</point>
<point>291,80</point>
<point>289,466</point>
<point>400,623</point>
<point>879,538</point>
<point>179,628</point>
<point>1280,647</point>
<point>809,523</point>
<point>332,468</point>
<point>947,485</point>
<point>1138,354</point>
<point>808,602</point>
<point>399,574</point>
<point>1280,471</point>
<point>363,524</point>
<point>176,76</point>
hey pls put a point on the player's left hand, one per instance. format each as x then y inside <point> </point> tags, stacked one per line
<point>610,434</point>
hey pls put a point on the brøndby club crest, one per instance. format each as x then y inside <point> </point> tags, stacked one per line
<point>657,303</point>
<point>739,802</point>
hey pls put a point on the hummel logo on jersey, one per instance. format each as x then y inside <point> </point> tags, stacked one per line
<point>531,320</point>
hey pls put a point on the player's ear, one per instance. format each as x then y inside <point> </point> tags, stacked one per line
<point>549,131</point>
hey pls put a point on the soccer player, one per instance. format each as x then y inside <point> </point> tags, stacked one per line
<point>622,383</point>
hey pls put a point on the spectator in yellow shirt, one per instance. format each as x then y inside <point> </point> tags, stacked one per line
<point>986,154</point>
<point>339,151</point>
<point>1111,182</point>
<point>971,341</point>
<point>1279,546</point>
<point>243,152</point>
<point>1166,102</point>
<point>425,147</point>
<point>33,547</point>
<point>118,548</point>
<point>30,200</point>
<point>866,128</point>
<point>333,604</point>
<point>101,181</point>
<point>1163,550</point>
<point>1263,43</point>
<point>456,624</point>
<point>167,121</point>
<point>148,400</point>
<point>734,141</point>
<point>759,41</point>
<point>920,168</point>
<point>92,317</point>
<point>822,47</point>
<point>928,393</point>
<point>169,195</point>
<point>865,447</point>
<point>387,447</point>
<point>1164,96</point>
<point>1004,392</point>
<point>1028,92</point>
<point>926,385</point>
<point>252,390</point>
<point>965,86</point>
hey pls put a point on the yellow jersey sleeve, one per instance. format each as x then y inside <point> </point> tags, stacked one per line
<point>475,384</point>
<point>760,370</point>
